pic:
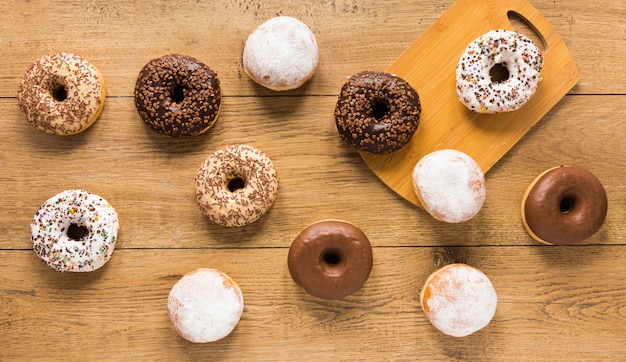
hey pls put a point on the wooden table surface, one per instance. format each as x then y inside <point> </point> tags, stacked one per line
<point>554,302</point>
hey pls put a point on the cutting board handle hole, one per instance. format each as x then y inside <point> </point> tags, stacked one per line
<point>525,27</point>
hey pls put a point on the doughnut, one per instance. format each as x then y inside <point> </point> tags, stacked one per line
<point>205,305</point>
<point>377,112</point>
<point>458,300</point>
<point>498,72</point>
<point>178,96</point>
<point>61,94</point>
<point>75,231</point>
<point>281,54</point>
<point>330,259</point>
<point>564,205</point>
<point>236,185</point>
<point>450,185</point>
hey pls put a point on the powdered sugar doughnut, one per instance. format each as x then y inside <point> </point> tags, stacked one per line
<point>458,300</point>
<point>281,54</point>
<point>75,231</point>
<point>498,48</point>
<point>205,305</point>
<point>236,185</point>
<point>450,185</point>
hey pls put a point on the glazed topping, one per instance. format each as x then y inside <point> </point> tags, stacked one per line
<point>459,300</point>
<point>450,185</point>
<point>61,94</point>
<point>377,112</point>
<point>566,205</point>
<point>330,259</point>
<point>176,95</point>
<point>498,48</point>
<point>75,231</point>
<point>281,54</point>
<point>236,185</point>
<point>205,305</point>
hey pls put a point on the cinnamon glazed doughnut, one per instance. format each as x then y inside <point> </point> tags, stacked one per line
<point>205,305</point>
<point>377,112</point>
<point>178,96</point>
<point>330,259</point>
<point>458,300</point>
<point>281,54</point>
<point>510,51</point>
<point>564,205</point>
<point>75,231</point>
<point>236,185</point>
<point>61,94</point>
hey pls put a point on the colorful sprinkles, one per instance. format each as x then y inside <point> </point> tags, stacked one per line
<point>59,250</point>
<point>510,49</point>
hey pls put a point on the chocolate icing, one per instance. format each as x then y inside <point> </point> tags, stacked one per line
<point>177,95</point>
<point>377,112</point>
<point>330,259</point>
<point>565,206</point>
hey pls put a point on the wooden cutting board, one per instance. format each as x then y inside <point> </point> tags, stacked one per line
<point>429,65</point>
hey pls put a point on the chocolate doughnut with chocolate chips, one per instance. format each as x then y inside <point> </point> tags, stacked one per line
<point>377,112</point>
<point>178,96</point>
<point>330,259</point>
<point>564,205</point>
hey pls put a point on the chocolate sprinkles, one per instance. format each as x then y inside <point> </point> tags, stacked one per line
<point>178,96</point>
<point>377,112</point>
<point>61,94</point>
<point>240,206</point>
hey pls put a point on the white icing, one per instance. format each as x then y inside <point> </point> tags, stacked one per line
<point>522,59</point>
<point>461,301</point>
<point>281,54</point>
<point>205,305</point>
<point>50,231</point>
<point>450,185</point>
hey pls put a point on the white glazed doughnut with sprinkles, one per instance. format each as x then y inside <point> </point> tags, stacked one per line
<point>61,94</point>
<point>518,57</point>
<point>75,231</point>
<point>236,185</point>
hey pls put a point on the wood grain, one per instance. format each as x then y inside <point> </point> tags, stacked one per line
<point>120,37</point>
<point>538,306</point>
<point>149,179</point>
<point>555,303</point>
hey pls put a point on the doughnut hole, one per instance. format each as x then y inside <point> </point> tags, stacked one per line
<point>380,108</point>
<point>178,93</point>
<point>499,73</point>
<point>333,261</point>
<point>77,231</point>
<point>236,183</point>
<point>58,91</point>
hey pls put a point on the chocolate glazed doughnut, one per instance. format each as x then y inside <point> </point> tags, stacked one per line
<point>178,96</point>
<point>564,205</point>
<point>377,112</point>
<point>330,259</point>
